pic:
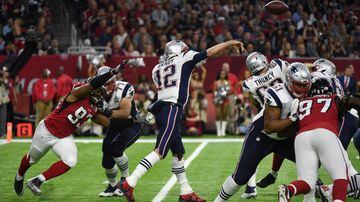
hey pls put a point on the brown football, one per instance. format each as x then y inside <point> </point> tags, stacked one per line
<point>276,7</point>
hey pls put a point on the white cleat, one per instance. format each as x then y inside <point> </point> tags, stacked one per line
<point>110,192</point>
<point>249,193</point>
<point>325,193</point>
<point>283,194</point>
<point>34,186</point>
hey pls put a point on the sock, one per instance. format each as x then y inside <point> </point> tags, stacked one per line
<point>339,189</point>
<point>145,164</point>
<point>298,187</point>
<point>223,128</point>
<point>179,170</point>
<point>123,164</point>
<point>310,197</point>
<point>55,170</point>
<point>274,173</point>
<point>252,180</point>
<point>24,166</point>
<point>354,183</point>
<point>218,128</point>
<point>277,162</point>
<point>111,175</point>
<point>228,189</point>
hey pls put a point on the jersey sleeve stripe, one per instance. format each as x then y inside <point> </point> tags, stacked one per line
<point>197,58</point>
<point>245,86</point>
<point>125,90</point>
<point>278,61</point>
<point>276,98</point>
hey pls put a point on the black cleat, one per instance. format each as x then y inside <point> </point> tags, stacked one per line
<point>269,179</point>
<point>317,189</point>
<point>19,186</point>
<point>34,185</point>
<point>110,191</point>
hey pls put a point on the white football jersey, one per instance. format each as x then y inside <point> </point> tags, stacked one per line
<point>276,96</point>
<point>122,90</point>
<point>172,76</point>
<point>258,84</point>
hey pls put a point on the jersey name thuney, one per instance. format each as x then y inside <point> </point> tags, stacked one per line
<point>265,79</point>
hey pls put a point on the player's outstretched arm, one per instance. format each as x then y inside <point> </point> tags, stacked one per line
<point>101,120</point>
<point>94,83</point>
<point>222,46</point>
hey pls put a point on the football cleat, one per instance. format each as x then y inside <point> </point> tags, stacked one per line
<point>193,197</point>
<point>34,185</point>
<point>19,186</point>
<point>283,194</point>
<point>250,192</point>
<point>325,193</point>
<point>354,195</point>
<point>127,190</point>
<point>269,179</point>
<point>111,191</point>
<point>317,188</point>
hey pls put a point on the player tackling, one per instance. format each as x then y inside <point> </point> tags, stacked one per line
<point>317,140</point>
<point>55,131</point>
<point>172,78</point>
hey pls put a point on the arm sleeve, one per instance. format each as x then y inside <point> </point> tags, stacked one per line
<point>272,99</point>
<point>128,92</point>
<point>194,57</point>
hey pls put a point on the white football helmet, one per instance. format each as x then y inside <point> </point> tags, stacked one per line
<point>256,61</point>
<point>324,65</point>
<point>298,79</point>
<point>175,48</point>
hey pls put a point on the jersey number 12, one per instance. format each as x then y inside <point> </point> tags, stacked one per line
<point>163,77</point>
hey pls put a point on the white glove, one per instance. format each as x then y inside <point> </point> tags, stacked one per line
<point>294,110</point>
<point>150,118</point>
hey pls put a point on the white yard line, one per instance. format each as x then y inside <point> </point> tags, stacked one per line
<point>171,182</point>
<point>3,142</point>
<point>186,140</point>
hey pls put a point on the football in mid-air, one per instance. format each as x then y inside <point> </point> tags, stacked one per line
<point>276,7</point>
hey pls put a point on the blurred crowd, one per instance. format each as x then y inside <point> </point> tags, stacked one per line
<point>142,27</point>
<point>310,29</point>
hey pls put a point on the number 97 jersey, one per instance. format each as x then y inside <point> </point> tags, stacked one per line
<point>258,84</point>
<point>319,112</point>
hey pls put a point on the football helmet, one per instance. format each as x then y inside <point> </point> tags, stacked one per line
<point>175,48</point>
<point>255,62</point>
<point>110,84</point>
<point>298,79</point>
<point>320,85</point>
<point>324,65</point>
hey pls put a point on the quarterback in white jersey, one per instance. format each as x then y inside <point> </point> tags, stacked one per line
<point>172,78</point>
<point>264,75</point>
<point>125,128</point>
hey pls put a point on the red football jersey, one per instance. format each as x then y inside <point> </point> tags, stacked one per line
<point>319,112</point>
<point>67,117</point>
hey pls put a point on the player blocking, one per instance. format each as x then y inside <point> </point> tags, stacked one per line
<point>84,102</point>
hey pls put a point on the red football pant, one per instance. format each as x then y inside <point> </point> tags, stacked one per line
<point>298,187</point>
<point>340,189</point>
<point>55,170</point>
<point>24,165</point>
<point>277,162</point>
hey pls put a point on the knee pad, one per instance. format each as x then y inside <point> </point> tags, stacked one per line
<point>107,161</point>
<point>34,155</point>
<point>70,160</point>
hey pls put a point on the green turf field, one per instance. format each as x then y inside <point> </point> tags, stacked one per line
<point>206,173</point>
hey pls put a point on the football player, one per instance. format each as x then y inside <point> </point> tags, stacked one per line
<point>172,78</point>
<point>123,131</point>
<point>55,131</point>
<point>264,76</point>
<point>266,131</point>
<point>318,131</point>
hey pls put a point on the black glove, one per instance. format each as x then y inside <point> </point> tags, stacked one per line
<point>106,111</point>
<point>120,67</point>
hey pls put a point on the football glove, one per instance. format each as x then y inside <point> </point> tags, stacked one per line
<point>294,110</point>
